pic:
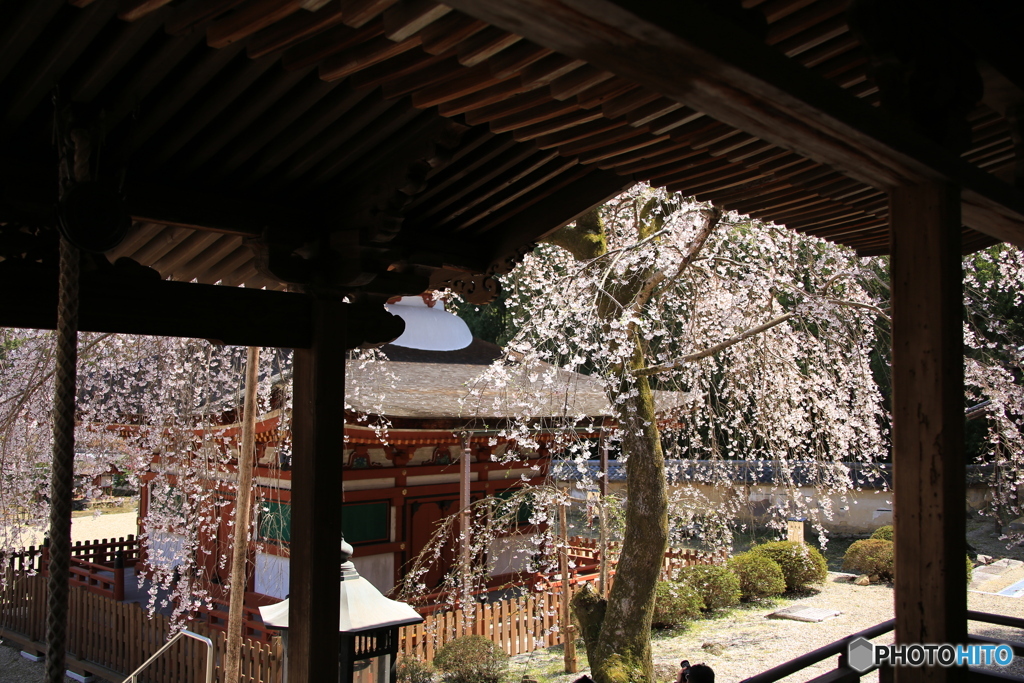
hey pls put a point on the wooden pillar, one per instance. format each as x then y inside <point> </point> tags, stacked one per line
<point>927,415</point>
<point>319,408</point>
<point>465,522</point>
<point>603,580</point>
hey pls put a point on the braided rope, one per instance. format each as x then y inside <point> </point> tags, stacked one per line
<point>63,470</point>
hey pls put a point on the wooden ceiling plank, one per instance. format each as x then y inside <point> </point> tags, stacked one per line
<point>116,55</point>
<point>45,73</point>
<point>358,13</point>
<point>553,206</point>
<point>217,251</point>
<point>19,35</point>
<point>408,17</point>
<point>674,172</point>
<point>528,117</point>
<point>254,16</point>
<point>376,128</point>
<point>139,234</point>
<point>328,114</point>
<point>139,9</point>
<point>360,57</point>
<point>481,98</point>
<point>732,145</point>
<point>472,141</point>
<point>641,154</point>
<point>715,179</point>
<point>410,83</point>
<point>412,63</point>
<point>615,150</point>
<point>805,19</point>
<point>551,127</point>
<point>810,39</point>
<point>496,166</point>
<point>473,80</point>
<point>576,81</point>
<point>239,275</point>
<point>502,183</point>
<point>154,117</point>
<point>148,76</point>
<point>193,14</point>
<point>630,102</point>
<point>506,107</point>
<point>293,30</point>
<point>834,57</point>
<point>540,178</point>
<point>512,61</point>
<point>658,109</point>
<point>548,70</point>
<point>163,242</point>
<point>707,140</point>
<point>603,92</point>
<point>227,91</point>
<point>458,170</point>
<point>445,34</point>
<point>256,108</point>
<point>677,152</point>
<point>330,42</point>
<point>484,45</point>
<point>775,10</point>
<point>185,250</point>
<point>231,262</point>
<point>672,121</point>
<point>688,132</point>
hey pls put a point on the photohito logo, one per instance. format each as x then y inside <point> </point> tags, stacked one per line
<point>863,655</point>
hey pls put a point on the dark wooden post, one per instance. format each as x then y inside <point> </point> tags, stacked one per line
<point>319,409</point>
<point>927,414</point>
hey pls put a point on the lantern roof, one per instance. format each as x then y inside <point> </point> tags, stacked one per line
<point>363,607</point>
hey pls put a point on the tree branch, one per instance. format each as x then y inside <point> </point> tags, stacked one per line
<point>747,334</point>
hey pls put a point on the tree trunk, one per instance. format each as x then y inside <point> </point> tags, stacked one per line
<point>617,632</point>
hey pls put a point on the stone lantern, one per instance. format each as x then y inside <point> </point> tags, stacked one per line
<point>368,623</point>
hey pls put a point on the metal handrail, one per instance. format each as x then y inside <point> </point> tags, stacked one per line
<point>203,639</point>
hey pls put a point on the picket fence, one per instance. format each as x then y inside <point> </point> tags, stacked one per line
<point>111,639</point>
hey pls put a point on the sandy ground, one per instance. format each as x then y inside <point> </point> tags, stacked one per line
<point>93,527</point>
<point>747,641</point>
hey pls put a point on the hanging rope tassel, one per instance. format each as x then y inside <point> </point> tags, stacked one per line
<point>63,469</point>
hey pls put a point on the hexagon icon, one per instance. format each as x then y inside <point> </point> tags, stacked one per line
<point>861,655</point>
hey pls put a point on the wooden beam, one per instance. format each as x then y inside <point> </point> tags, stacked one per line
<point>314,593</point>
<point>927,422</point>
<point>688,53</point>
<point>175,309</point>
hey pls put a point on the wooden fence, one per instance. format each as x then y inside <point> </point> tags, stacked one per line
<point>111,639</point>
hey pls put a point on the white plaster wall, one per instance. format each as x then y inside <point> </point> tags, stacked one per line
<point>377,569</point>
<point>272,575</point>
<point>166,550</point>
<point>504,559</point>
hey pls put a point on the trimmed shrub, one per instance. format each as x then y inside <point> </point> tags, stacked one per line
<point>883,532</point>
<point>759,575</point>
<point>802,565</point>
<point>675,604</point>
<point>413,670</point>
<point>718,587</point>
<point>872,556</point>
<point>471,659</point>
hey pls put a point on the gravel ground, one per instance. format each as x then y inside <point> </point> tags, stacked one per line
<point>16,669</point>
<point>745,642</point>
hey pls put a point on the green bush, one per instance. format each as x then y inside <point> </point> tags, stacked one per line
<point>872,556</point>
<point>970,569</point>
<point>413,670</point>
<point>471,659</point>
<point>718,587</point>
<point>760,576</point>
<point>883,532</point>
<point>675,604</point>
<point>802,565</point>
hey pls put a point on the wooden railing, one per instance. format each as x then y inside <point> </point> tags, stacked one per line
<point>98,566</point>
<point>110,639</point>
<point>216,617</point>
